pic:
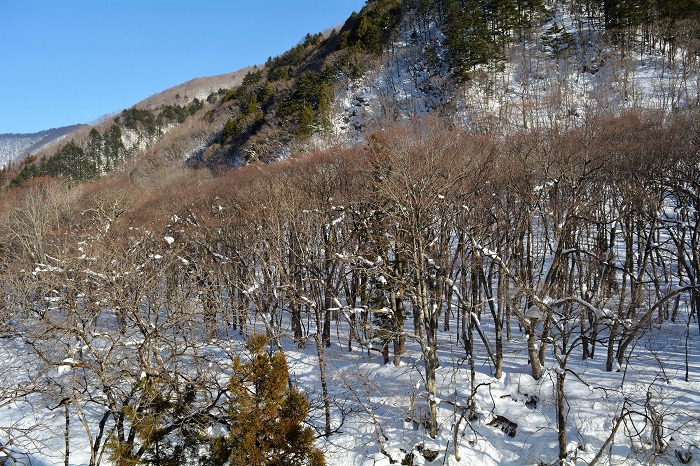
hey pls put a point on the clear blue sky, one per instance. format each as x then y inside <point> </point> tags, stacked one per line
<point>64,62</point>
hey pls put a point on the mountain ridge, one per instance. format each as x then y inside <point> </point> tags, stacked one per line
<point>15,146</point>
<point>544,63</point>
<point>200,88</point>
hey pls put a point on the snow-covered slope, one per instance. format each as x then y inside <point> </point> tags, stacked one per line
<point>14,147</point>
<point>379,411</point>
<point>565,71</point>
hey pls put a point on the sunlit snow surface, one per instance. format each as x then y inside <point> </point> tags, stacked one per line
<point>373,401</point>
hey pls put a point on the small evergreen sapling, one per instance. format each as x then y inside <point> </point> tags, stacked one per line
<point>265,415</point>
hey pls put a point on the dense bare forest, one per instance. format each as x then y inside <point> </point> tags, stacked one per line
<point>573,245</point>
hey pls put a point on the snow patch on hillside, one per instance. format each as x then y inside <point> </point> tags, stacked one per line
<point>14,147</point>
<point>537,85</point>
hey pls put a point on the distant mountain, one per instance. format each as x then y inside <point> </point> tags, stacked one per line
<point>14,146</point>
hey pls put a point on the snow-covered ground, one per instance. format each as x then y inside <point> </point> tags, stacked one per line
<point>388,404</point>
<point>379,411</point>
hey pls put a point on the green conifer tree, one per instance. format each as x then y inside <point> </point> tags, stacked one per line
<point>114,149</point>
<point>94,148</point>
<point>466,37</point>
<point>503,19</point>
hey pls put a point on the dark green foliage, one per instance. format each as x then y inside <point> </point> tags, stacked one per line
<point>265,94</point>
<point>265,415</point>
<point>252,77</point>
<point>29,170</point>
<point>170,114</point>
<point>476,31</point>
<point>371,29</point>
<point>305,105</point>
<point>311,97</point>
<point>285,66</point>
<point>230,95</point>
<point>502,19</point>
<point>677,9</point>
<point>195,106</point>
<point>145,122</point>
<point>95,147</point>
<point>558,41</point>
<point>114,150</point>
<point>102,153</point>
<point>282,67</point>
<point>467,38</point>
<point>312,39</point>
<point>77,164</point>
<point>244,125</point>
<point>140,120</point>
<point>528,12</point>
<point>253,99</point>
<point>251,106</point>
<point>163,424</point>
<point>160,426</point>
<point>279,73</point>
<point>232,129</point>
<point>620,15</point>
<point>252,94</point>
<point>70,162</point>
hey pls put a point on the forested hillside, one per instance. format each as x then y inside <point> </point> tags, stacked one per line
<point>452,232</point>
<point>487,66</point>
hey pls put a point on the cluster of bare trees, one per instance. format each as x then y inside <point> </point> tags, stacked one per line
<point>578,242</point>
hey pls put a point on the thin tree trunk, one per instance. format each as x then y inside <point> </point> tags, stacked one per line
<point>561,415</point>
<point>532,353</point>
<point>324,385</point>
<point>66,433</point>
<point>399,338</point>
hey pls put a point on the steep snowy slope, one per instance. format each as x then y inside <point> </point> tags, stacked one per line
<point>566,69</point>
<point>13,147</point>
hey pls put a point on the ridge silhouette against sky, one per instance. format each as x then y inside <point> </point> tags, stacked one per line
<point>72,61</point>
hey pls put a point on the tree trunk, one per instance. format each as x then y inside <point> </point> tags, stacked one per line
<point>427,335</point>
<point>532,353</point>
<point>399,337</point>
<point>584,337</point>
<point>610,357</point>
<point>431,365</point>
<point>498,372</point>
<point>472,368</point>
<point>296,324</point>
<point>561,415</point>
<point>324,385</point>
<point>66,433</point>
<point>542,351</point>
